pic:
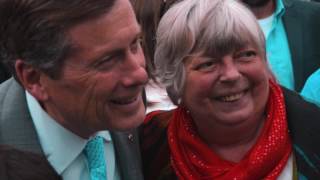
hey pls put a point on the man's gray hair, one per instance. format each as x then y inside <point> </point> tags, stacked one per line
<point>210,27</point>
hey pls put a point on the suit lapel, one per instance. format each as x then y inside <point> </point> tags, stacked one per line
<point>128,154</point>
<point>293,25</point>
<point>17,128</point>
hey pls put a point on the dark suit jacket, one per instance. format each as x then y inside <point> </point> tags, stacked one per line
<point>302,25</point>
<point>17,130</point>
<point>304,128</point>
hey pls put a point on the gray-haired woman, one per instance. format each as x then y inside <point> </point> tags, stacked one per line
<point>233,120</point>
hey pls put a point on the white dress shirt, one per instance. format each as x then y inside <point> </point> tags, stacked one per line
<point>64,149</point>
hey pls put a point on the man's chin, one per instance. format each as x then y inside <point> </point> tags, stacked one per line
<point>119,120</point>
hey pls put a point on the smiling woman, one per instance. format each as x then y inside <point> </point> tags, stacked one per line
<point>232,119</point>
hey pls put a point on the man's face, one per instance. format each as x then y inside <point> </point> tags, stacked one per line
<point>102,81</point>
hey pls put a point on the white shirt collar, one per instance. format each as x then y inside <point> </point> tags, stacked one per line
<point>61,146</point>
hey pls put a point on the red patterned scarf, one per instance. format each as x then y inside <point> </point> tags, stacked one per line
<point>192,159</point>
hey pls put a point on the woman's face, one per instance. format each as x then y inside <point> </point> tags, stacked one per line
<point>226,90</point>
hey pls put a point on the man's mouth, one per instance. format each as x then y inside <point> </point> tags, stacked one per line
<point>124,101</point>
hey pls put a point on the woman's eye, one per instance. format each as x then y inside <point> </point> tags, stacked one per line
<point>248,54</point>
<point>205,65</point>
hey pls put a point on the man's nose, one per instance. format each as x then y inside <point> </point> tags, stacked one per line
<point>134,71</point>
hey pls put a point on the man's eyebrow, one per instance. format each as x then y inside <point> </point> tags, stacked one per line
<point>137,35</point>
<point>74,48</point>
<point>97,60</point>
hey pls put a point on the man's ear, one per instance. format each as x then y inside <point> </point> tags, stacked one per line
<point>29,77</point>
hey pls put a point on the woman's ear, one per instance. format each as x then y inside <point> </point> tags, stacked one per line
<point>270,74</point>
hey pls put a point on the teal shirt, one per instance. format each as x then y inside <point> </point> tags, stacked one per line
<point>311,89</point>
<point>278,52</point>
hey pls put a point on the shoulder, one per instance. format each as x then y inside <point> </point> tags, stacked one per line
<point>4,86</point>
<point>304,129</point>
<point>16,126</point>
<point>308,8</point>
<point>154,145</point>
<point>302,115</point>
<point>155,125</point>
<point>298,108</point>
<point>11,94</point>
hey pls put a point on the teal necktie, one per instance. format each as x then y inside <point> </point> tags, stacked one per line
<point>94,151</point>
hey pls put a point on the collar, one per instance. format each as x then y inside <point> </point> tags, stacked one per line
<point>54,138</point>
<point>288,3</point>
<point>279,11</point>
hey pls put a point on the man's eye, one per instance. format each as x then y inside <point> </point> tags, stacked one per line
<point>135,45</point>
<point>107,60</point>
<point>106,63</point>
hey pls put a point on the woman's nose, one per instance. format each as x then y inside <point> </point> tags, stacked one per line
<point>229,71</point>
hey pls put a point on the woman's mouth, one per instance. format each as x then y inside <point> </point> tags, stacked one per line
<point>232,97</point>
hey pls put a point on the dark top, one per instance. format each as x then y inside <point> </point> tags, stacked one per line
<point>302,25</point>
<point>4,73</point>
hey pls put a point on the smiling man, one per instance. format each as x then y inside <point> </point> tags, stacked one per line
<point>79,73</point>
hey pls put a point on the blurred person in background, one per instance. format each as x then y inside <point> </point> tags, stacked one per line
<point>291,28</point>
<point>148,15</point>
